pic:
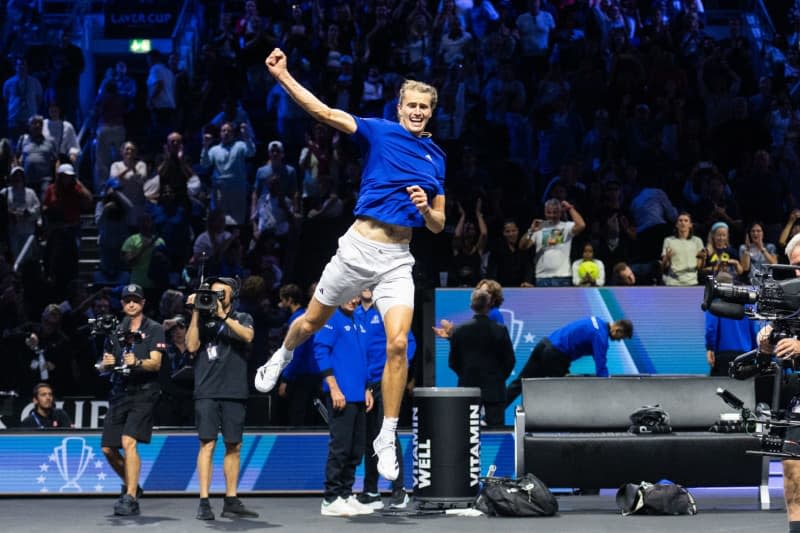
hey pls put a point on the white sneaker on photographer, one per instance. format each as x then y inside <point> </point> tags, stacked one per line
<point>267,375</point>
<point>387,458</point>
<point>357,506</point>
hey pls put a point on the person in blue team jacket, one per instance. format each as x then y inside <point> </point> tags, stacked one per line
<point>375,345</point>
<point>340,354</point>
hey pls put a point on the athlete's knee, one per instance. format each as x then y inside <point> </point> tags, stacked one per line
<point>396,347</point>
<point>312,323</point>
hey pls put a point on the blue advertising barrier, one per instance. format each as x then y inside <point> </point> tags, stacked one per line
<point>53,463</point>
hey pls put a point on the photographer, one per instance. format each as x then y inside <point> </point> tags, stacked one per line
<point>788,348</point>
<point>135,363</point>
<point>220,337</point>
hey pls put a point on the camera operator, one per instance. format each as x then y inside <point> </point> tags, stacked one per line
<point>134,393</point>
<point>220,337</point>
<point>788,348</point>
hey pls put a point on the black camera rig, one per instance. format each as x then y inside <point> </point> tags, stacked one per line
<point>116,341</point>
<point>767,426</point>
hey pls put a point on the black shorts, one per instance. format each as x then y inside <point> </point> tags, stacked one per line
<point>130,414</point>
<point>213,416</point>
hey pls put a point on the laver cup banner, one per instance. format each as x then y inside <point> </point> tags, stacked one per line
<point>50,463</point>
<point>446,440</point>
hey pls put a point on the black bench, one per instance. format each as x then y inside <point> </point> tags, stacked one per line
<point>572,433</point>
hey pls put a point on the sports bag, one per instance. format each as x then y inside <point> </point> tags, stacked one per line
<point>655,499</point>
<point>526,496</point>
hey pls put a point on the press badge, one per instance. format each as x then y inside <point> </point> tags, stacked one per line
<point>212,352</point>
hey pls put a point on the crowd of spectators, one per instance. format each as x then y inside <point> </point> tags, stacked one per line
<point>589,142</point>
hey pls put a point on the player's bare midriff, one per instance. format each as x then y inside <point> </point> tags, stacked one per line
<point>374,230</point>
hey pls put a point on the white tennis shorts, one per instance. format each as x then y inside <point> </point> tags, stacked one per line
<point>361,264</point>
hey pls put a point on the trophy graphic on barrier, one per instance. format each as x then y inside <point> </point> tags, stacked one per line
<point>72,458</point>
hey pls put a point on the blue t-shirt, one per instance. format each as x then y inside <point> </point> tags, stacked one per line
<point>583,337</point>
<point>339,350</point>
<point>393,160</point>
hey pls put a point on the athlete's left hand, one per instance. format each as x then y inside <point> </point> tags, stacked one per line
<point>419,198</point>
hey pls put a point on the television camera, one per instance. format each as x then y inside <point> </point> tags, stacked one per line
<point>116,341</point>
<point>205,299</point>
<point>767,426</point>
<point>768,299</point>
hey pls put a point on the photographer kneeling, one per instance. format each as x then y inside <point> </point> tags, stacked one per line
<point>220,338</point>
<point>137,344</point>
<point>788,348</point>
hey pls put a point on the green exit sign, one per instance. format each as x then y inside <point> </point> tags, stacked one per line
<point>140,46</point>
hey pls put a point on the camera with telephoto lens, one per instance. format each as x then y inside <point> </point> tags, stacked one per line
<point>768,299</point>
<point>102,325</point>
<point>205,300</point>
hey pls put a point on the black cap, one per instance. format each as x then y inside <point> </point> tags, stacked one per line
<point>132,290</point>
<point>233,283</point>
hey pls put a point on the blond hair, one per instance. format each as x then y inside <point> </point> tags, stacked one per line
<point>420,87</point>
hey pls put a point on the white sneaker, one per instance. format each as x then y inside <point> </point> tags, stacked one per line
<point>338,507</point>
<point>267,375</point>
<point>359,507</point>
<point>387,458</point>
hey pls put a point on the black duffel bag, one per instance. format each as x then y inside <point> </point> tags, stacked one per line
<point>655,499</point>
<point>526,496</point>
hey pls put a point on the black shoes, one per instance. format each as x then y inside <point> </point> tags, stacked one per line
<point>399,499</point>
<point>234,508</point>
<point>126,506</point>
<point>204,511</point>
<point>139,492</point>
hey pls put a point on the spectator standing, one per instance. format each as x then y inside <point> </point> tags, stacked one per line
<point>23,208</point>
<point>229,178</point>
<point>534,27</point>
<point>67,66</point>
<point>130,173</point>
<point>508,263</point>
<point>23,95</point>
<point>551,240</point>
<point>62,133</point>
<point>681,254</point>
<point>285,174</point>
<point>37,154</point>
<point>755,253</point>
<point>160,95</point>
<point>719,255</point>
<point>109,109</point>
<point>137,251</point>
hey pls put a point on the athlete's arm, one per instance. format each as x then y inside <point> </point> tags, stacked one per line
<point>432,213</point>
<point>335,118</point>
